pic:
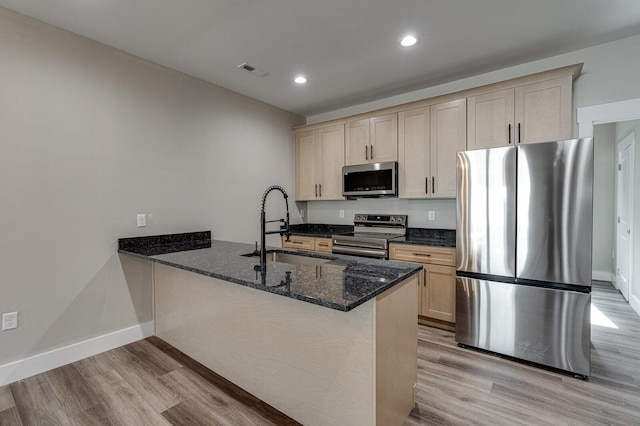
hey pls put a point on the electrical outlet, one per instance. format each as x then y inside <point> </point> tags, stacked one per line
<point>9,321</point>
<point>302,213</point>
<point>142,220</point>
<point>341,214</point>
<point>432,215</point>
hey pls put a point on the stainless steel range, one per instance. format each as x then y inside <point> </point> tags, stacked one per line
<point>371,235</point>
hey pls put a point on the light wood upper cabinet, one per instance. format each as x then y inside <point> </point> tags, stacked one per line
<point>414,153</point>
<point>543,111</point>
<point>372,140</point>
<point>428,139</point>
<point>319,161</point>
<point>448,136</point>
<point>306,164</point>
<point>490,119</point>
<point>536,112</point>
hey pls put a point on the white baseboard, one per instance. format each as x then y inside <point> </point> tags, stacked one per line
<point>602,276</point>
<point>46,361</point>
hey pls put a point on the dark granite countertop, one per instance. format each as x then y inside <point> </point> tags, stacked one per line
<point>431,237</point>
<point>420,236</point>
<point>320,229</point>
<point>343,283</point>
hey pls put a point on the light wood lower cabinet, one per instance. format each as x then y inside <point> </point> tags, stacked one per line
<point>437,281</point>
<point>323,244</point>
<point>438,299</point>
<point>300,242</point>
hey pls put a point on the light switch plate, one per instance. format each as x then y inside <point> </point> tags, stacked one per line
<point>142,220</point>
<point>432,215</point>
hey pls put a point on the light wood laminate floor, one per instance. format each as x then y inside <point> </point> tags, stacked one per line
<point>151,383</point>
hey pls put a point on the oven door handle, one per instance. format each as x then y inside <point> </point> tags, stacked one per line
<point>382,254</point>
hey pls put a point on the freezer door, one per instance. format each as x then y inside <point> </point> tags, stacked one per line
<point>547,326</point>
<point>486,201</point>
<point>555,211</point>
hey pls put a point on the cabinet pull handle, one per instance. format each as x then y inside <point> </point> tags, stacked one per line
<point>426,185</point>
<point>371,151</point>
<point>433,185</point>
<point>366,152</point>
<point>422,254</point>
<point>316,189</point>
<point>519,139</point>
<point>320,191</point>
<point>323,244</point>
<point>509,132</point>
<point>297,242</point>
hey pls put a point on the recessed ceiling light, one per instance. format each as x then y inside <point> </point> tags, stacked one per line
<point>408,40</point>
<point>300,79</point>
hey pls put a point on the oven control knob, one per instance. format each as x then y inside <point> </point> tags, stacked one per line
<point>393,218</point>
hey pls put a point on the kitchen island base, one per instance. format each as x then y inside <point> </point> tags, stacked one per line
<point>319,366</point>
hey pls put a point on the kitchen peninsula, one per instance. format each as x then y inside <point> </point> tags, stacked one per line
<point>326,339</point>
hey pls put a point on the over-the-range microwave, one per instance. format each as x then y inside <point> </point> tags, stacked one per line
<point>370,180</point>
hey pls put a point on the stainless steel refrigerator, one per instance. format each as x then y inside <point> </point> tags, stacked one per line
<point>524,238</point>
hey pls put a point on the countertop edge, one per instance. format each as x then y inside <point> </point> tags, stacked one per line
<point>415,268</point>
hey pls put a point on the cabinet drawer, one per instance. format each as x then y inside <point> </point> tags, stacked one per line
<point>300,243</point>
<point>423,254</point>
<point>323,245</point>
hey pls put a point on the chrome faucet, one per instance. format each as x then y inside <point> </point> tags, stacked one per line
<point>284,229</point>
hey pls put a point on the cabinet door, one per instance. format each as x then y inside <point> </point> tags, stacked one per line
<point>423,303</point>
<point>306,182</point>
<point>440,289</point>
<point>331,142</point>
<point>357,142</point>
<point>414,153</point>
<point>323,244</point>
<point>448,136</point>
<point>383,142</point>
<point>543,111</point>
<point>490,119</point>
<point>299,242</point>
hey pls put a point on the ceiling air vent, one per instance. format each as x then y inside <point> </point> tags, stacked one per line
<point>253,70</point>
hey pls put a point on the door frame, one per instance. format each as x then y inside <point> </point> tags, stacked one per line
<point>627,141</point>
<point>612,112</point>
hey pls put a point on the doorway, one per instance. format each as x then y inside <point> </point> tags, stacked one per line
<point>624,212</point>
<point>624,116</point>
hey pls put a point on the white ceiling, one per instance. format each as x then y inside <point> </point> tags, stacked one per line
<point>348,49</point>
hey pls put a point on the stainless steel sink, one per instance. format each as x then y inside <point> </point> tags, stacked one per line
<point>291,259</point>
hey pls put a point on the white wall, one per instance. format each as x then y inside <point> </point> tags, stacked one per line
<point>623,129</point>
<point>604,200</point>
<point>417,210</point>
<point>89,137</point>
